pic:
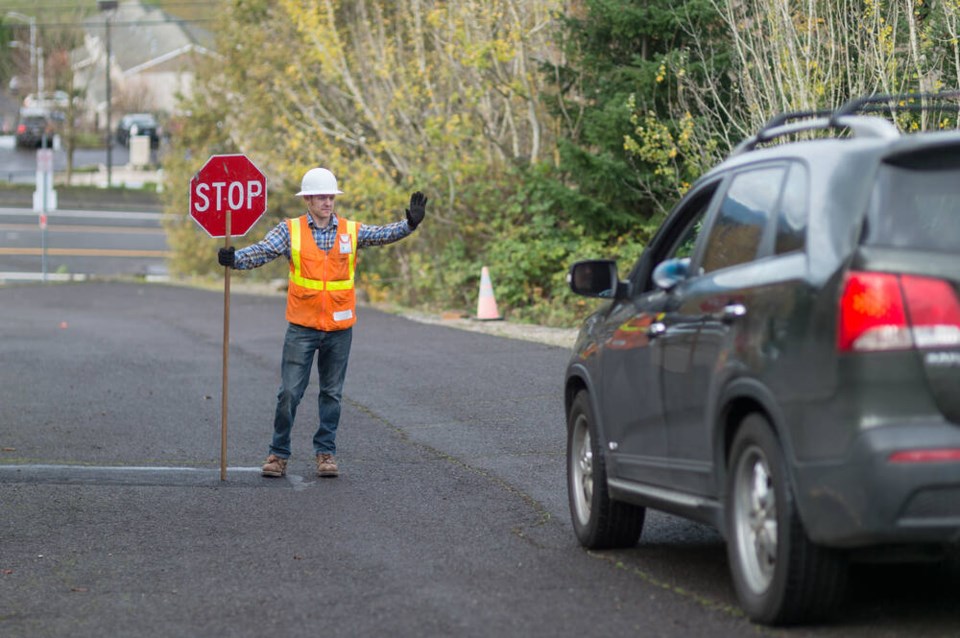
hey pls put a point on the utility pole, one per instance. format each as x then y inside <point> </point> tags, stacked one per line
<point>108,6</point>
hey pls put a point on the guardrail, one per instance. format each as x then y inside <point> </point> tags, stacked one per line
<point>122,177</point>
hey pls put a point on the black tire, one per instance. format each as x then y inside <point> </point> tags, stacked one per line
<point>599,521</point>
<point>780,577</point>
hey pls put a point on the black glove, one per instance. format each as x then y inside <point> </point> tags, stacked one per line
<point>226,256</point>
<point>418,208</point>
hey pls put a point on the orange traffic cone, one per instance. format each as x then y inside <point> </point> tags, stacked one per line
<point>487,304</point>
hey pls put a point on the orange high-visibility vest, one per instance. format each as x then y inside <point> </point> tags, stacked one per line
<point>321,292</point>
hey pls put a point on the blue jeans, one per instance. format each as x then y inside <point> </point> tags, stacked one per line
<point>299,346</point>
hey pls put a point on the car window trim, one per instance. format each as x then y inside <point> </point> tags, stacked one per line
<point>769,240</point>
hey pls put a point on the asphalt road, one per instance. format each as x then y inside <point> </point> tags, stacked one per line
<point>449,518</point>
<point>81,244</point>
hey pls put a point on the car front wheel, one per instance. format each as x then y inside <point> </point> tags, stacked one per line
<point>780,576</point>
<point>599,521</point>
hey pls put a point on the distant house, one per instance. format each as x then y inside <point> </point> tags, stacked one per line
<point>153,58</point>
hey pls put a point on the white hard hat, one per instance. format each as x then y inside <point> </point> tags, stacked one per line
<point>319,181</point>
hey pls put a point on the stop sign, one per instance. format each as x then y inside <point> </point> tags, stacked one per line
<point>228,184</point>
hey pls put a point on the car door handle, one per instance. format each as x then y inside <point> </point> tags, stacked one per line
<point>733,311</point>
<point>656,329</point>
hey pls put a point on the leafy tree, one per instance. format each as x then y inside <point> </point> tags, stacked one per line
<point>618,53</point>
<point>8,67</point>
<point>788,57</point>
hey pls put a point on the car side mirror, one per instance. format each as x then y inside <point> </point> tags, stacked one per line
<point>671,272</point>
<point>594,278</point>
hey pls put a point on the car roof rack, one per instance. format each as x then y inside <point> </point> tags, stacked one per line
<point>845,117</point>
<point>904,102</point>
<point>783,118</point>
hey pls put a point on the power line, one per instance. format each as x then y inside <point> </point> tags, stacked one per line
<point>113,23</point>
<point>35,8</point>
<point>91,21</point>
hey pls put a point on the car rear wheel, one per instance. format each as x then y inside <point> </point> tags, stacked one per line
<point>779,575</point>
<point>599,521</point>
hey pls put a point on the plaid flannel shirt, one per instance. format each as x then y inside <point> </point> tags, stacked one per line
<point>276,242</point>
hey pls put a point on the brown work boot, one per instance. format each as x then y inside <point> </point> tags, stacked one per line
<point>275,466</point>
<point>327,466</point>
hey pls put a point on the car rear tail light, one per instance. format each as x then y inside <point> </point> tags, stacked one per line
<point>925,456</point>
<point>872,314</point>
<point>22,128</point>
<point>884,311</point>
<point>934,311</point>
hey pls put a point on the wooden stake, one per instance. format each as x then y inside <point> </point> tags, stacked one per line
<point>226,357</point>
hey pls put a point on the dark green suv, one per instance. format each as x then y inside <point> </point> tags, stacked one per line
<point>783,361</point>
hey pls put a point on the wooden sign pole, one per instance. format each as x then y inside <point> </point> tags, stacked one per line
<point>232,184</point>
<point>226,357</point>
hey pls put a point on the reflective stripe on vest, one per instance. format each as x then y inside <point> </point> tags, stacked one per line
<point>296,276</point>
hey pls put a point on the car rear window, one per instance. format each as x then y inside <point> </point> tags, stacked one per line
<point>916,203</point>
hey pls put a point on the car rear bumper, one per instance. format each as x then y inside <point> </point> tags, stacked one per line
<point>28,140</point>
<point>867,499</point>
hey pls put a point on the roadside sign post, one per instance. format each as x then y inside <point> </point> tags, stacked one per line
<point>43,244</point>
<point>227,197</point>
<point>44,198</point>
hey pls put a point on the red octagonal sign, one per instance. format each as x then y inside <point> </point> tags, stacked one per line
<point>228,184</point>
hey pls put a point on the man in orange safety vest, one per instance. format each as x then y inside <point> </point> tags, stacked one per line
<point>321,248</point>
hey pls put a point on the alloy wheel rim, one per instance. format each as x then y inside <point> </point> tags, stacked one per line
<point>756,520</point>
<point>581,466</point>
